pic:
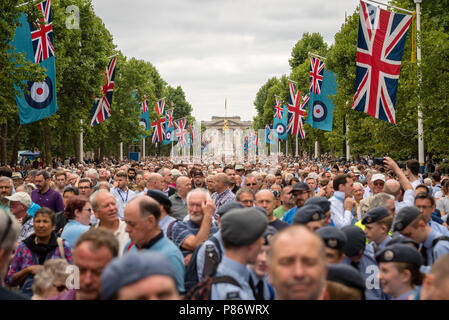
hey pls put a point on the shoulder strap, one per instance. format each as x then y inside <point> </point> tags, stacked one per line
<point>436,240</point>
<point>217,245</point>
<point>61,247</point>
<point>226,279</point>
<point>170,229</point>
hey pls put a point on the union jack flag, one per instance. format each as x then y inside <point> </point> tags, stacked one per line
<point>181,131</point>
<point>160,106</point>
<point>204,143</point>
<point>316,75</point>
<point>101,109</point>
<point>169,118</point>
<point>278,109</point>
<point>144,105</point>
<point>380,46</point>
<point>296,112</point>
<point>42,34</point>
<point>159,132</point>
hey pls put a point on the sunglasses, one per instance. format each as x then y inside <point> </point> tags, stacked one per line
<point>250,184</point>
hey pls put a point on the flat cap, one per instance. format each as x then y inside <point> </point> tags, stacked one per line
<point>308,213</point>
<point>242,227</point>
<point>320,201</point>
<point>375,215</point>
<point>347,275</point>
<point>403,240</point>
<point>333,237</point>
<point>356,240</point>
<point>404,217</point>
<point>300,186</point>
<point>133,267</point>
<point>400,253</point>
<point>22,197</point>
<point>229,206</point>
<point>159,196</point>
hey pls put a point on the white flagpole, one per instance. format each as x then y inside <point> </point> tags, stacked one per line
<point>418,58</point>
<point>143,149</point>
<point>121,151</point>
<point>81,142</point>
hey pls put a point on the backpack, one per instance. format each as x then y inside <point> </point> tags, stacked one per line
<point>203,290</point>
<point>435,241</point>
<point>191,275</point>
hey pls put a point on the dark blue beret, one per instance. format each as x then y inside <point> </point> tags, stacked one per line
<point>356,240</point>
<point>320,201</point>
<point>375,215</point>
<point>333,237</point>
<point>400,253</point>
<point>404,217</point>
<point>308,213</point>
<point>347,275</point>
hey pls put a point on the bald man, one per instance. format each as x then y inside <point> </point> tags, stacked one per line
<point>222,194</point>
<point>178,200</point>
<point>154,181</point>
<point>265,199</point>
<point>297,267</point>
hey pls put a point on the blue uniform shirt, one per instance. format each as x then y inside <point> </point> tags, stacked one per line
<point>440,249</point>
<point>227,291</point>
<point>268,293</point>
<point>369,270</point>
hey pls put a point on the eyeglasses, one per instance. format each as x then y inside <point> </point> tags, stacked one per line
<point>379,184</point>
<point>8,227</point>
<point>250,184</point>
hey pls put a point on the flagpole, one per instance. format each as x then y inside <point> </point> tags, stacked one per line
<point>390,6</point>
<point>418,58</point>
<point>121,151</point>
<point>143,148</point>
<point>296,145</point>
<point>315,55</point>
<point>81,142</point>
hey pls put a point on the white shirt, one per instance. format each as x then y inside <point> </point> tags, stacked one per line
<point>368,193</point>
<point>121,235</point>
<point>122,198</point>
<point>339,215</point>
<point>407,201</point>
<point>415,183</point>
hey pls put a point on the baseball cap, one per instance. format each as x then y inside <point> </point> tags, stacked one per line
<point>22,197</point>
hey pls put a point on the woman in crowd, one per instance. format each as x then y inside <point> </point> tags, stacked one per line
<point>78,212</point>
<point>32,252</point>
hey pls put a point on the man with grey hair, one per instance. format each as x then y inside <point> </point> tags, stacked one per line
<point>384,200</point>
<point>297,264</point>
<point>92,174</point>
<point>105,209</point>
<point>6,187</point>
<point>9,231</point>
<point>142,216</point>
<point>199,225</point>
<point>168,179</point>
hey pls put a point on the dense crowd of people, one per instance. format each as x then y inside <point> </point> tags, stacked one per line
<point>297,229</point>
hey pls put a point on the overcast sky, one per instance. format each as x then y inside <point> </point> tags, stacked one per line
<point>217,49</point>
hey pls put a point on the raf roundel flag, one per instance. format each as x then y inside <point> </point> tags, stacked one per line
<point>321,108</point>
<point>36,43</point>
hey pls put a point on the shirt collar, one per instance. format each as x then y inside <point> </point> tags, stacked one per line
<point>153,241</point>
<point>428,242</point>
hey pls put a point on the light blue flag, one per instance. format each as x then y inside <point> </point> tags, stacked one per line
<point>321,108</point>
<point>269,135</point>
<point>40,100</point>
<point>280,124</point>
<point>145,122</point>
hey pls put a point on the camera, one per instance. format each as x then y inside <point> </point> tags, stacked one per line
<point>379,161</point>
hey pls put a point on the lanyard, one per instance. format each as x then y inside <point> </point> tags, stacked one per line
<point>120,194</point>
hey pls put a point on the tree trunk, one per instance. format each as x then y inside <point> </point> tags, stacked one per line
<point>76,146</point>
<point>63,147</point>
<point>15,147</point>
<point>3,142</point>
<point>47,141</point>
<point>101,155</point>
